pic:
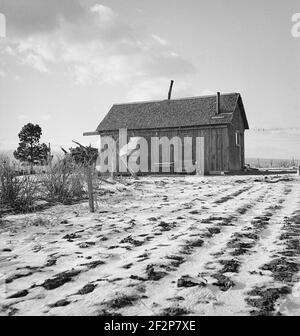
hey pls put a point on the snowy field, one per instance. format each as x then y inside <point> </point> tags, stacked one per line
<point>159,246</point>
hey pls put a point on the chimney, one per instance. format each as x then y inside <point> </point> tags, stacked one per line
<point>170,90</point>
<point>218,103</point>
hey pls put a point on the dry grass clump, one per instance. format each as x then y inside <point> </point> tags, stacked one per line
<point>64,182</point>
<point>16,192</point>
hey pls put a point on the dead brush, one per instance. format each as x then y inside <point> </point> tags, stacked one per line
<point>17,192</point>
<point>64,182</point>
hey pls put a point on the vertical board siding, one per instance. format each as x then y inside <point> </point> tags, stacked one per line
<point>216,145</point>
<point>236,153</point>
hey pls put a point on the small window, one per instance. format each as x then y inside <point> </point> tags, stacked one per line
<point>237,138</point>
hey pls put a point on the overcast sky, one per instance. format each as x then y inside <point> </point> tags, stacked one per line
<point>64,63</point>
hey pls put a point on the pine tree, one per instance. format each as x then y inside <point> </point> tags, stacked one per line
<point>30,150</point>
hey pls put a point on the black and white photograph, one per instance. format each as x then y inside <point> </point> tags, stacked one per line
<point>150,160</point>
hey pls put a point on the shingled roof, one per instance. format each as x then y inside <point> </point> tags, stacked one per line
<point>195,111</point>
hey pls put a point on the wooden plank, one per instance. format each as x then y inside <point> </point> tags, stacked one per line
<point>213,149</point>
<point>200,156</point>
<point>91,133</point>
<point>90,188</point>
<point>219,150</point>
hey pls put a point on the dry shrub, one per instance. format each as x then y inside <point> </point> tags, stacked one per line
<point>64,182</point>
<point>16,192</point>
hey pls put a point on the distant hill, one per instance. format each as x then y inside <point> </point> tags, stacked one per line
<point>272,163</point>
<point>10,154</point>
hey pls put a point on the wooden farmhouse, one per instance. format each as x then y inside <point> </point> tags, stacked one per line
<point>220,120</point>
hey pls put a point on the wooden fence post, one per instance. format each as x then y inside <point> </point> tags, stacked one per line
<point>89,176</point>
<point>90,188</point>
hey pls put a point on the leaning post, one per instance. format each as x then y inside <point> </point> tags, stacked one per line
<point>90,187</point>
<point>88,164</point>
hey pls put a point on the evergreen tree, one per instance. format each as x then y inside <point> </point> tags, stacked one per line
<point>30,150</point>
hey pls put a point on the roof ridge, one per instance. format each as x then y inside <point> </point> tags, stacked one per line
<point>176,99</point>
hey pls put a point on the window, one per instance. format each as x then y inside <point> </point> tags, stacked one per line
<point>237,138</point>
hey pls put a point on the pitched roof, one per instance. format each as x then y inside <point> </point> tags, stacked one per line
<point>195,111</point>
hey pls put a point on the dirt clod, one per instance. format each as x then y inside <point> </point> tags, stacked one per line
<point>175,311</point>
<point>231,266</point>
<point>223,282</point>
<point>264,299</point>
<point>60,279</point>
<point>153,274</point>
<point>19,294</point>
<point>130,240</point>
<point>60,303</point>
<point>187,281</point>
<point>122,301</point>
<point>89,288</point>
<point>282,269</point>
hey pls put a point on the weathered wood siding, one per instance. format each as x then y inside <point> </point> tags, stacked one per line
<point>216,144</point>
<point>236,153</point>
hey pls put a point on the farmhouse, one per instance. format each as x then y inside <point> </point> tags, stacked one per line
<point>219,120</point>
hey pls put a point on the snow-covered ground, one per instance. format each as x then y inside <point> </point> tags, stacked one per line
<point>160,246</point>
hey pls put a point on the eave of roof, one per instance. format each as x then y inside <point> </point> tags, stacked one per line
<point>169,114</point>
<point>244,116</point>
<point>153,129</point>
